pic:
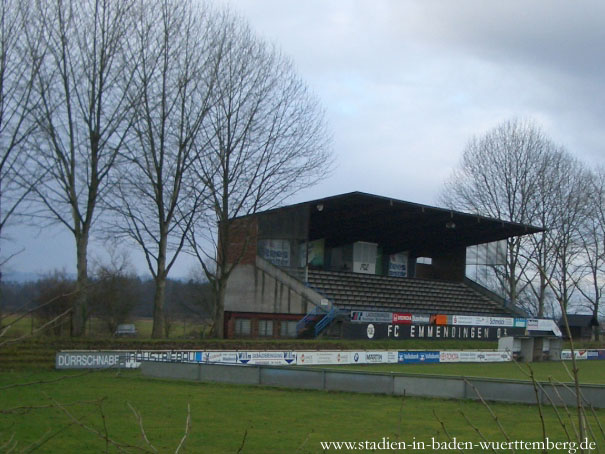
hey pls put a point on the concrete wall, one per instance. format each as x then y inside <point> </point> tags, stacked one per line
<point>262,287</point>
<point>378,383</point>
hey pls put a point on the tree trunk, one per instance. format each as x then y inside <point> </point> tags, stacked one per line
<point>160,290</point>
<point>79,313</point>
<point>219,309</point>
<point>158,307</point>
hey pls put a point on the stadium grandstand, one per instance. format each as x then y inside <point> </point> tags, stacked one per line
<point>332,266</point>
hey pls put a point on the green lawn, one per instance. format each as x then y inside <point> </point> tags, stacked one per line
<point>275,420</point>
<point>589,371</point>
<point>98,329</point>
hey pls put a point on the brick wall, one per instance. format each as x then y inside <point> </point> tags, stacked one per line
<point>243,234</point>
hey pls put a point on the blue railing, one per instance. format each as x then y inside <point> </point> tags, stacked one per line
<point>324,322</point>
<point>320,317</point>
<point>309,318</point>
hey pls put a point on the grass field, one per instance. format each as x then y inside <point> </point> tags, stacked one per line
<point>274,420</point>
<point>96,328</point>
<point>589,371</point>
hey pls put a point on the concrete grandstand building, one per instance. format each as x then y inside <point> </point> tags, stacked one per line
<point>320,266</point>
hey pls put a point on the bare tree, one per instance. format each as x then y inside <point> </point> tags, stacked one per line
<point>16,102</point>
<point>592,241</point>
<point>498,177</point>
<point>157,198</point>
<point>266,139</point>
<point>83,116</point>
<point>114,293</point>
<point>567,190</point>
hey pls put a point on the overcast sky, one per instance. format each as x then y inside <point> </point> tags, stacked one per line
<point>405,84</point>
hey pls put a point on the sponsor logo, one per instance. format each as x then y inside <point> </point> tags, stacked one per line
<point>421,319</point>
<point>356,357</point>
<point>402,319</point>
<point>373,357</point>
<point>370,331</point>
<point>449,356</point>
<point>289,357</point>
<point>244,357</point>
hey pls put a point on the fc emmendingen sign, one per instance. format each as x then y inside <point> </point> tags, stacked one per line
<point>389,331</point>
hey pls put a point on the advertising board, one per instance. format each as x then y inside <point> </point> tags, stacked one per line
<point>371,316</point>
<point>501,321</point>
<point>421,319</point>
<point>473,357</point>
<point>325,357</point>
<point>520,323</point>
<point>122,359</point>
<point>418,357</point>
<point>579,354</point>
<point>469,320</point>
<point>88,360</point>
<point>219,357</point>
<point>592,354</point>
<point>402,319</point>
<point>269,358</point>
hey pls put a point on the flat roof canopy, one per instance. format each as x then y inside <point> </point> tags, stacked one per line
<point>402,226</point>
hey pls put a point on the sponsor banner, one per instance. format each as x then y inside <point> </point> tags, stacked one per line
<point>540,324</point>
<point>345,357</point>
<point>579,354</point>
<point>474,357</point>
<point>398,264</point>
<point>221,357</point>
<point>121,359</point>
<point>267,358</point>
<point>421,319</point>
<point>592,354</point>
<point>417,357</point>
<point>439,319</point>
<point>328,357</point>
<point>390,331</point>
<point>496,356</point>
<point>470,320</point>
<point>402,319</point>
<point>382,357</point>
<point>370,316</point>
<point>474,320</point>
<point>520,323</point>
<point>449,357</point>
<point>87,360</point>
<point>501,321</point>
<point>601,354</point>
<point>132,359</point>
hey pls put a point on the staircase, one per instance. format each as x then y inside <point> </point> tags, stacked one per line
<point>312,324</point>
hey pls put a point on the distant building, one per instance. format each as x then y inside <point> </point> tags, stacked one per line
<point>333,259</point>
<point>580,325</point>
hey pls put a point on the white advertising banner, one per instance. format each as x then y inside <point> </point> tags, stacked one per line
<point>501,321</point>
<point>268,358</point>
<point>469,320</point>
<point>322,357</point>
<point>382,357</point>
<point>473,357</point>
<point>220,357</point>
<point>132,359</point>
<point>579,354</point>
<point>475,320</point>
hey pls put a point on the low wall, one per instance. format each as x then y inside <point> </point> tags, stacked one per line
<point>439,386</point>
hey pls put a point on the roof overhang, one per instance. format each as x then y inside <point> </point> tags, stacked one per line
<point>403,226</point>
